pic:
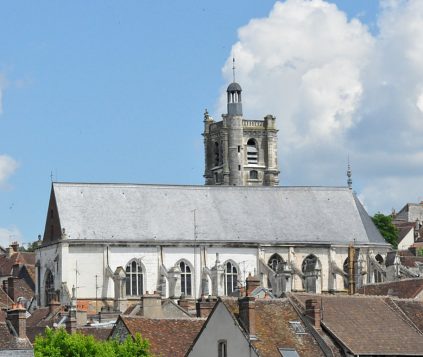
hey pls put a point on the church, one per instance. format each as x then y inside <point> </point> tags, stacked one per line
<point>107,244</point>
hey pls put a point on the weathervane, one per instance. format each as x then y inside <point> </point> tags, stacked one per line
<point>349,174</point>
<point>233,68</point>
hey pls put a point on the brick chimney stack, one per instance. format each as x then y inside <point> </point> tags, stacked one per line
<point>252,282</point>
<point>151,305</point>
<point>17,318</point>
<point>247,314</point>
<point>313,312</point>
<point>205,305</point>
<point>53,305</point>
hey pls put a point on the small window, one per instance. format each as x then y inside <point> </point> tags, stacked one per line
<point>216,154</point>
<point>222,348</point>
<point>253,175</point>
<point>252,152</point>
<point>297,327</point>
<point>239,148</point>
<point>288,352</point>
<point>239,167</point>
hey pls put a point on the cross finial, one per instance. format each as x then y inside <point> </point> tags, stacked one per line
<point>233,68</point>
<point>349,174</point>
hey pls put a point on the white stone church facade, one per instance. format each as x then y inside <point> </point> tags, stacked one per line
<point>114,242</point>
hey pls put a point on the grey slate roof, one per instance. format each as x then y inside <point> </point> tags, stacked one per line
<point>148,213</point>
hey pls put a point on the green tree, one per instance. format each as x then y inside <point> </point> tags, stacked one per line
<point>386,228</point>
<point>58,343</point>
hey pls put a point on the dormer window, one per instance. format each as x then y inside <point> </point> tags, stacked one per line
<point>252,152</point>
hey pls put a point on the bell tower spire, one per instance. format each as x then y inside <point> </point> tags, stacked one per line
<point>349,174</point>
<point>234,95</point>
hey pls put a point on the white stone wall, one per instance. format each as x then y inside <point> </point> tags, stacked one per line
<point>407,241</point>
<point>96,259</point>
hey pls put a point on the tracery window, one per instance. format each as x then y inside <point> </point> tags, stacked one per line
<point>346,271</point>
<point>231,278</point>
<point>377,274</point>
<point>134,279</point>
<point>185,278</point>
<point>276,263</point>
<point>252,152</point>
<point>310,269</point>
<point>49,287</point>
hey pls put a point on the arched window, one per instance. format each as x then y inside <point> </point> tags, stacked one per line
<point>377,275</point>
<point>252,152</point>
<point>231,278</point>
<point>309,263</point>
<point>311,271</point>
<point>253,175</point>
<point>216,154</point>
<point>134,279</point>
<point>345,268</point>
<point>276,263</point>
<point>185,278</point>
<point>49,287</point>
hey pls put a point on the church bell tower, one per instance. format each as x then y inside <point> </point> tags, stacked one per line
<point>240,152</point>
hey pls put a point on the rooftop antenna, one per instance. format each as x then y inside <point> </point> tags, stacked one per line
<point>349,174</point>
<point>51,175</point>
<point>233,68</point>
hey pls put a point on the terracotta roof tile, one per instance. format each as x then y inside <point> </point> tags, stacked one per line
<point>360,323</point>
<point>10,342</point>
<point>100,334</point>
<point>404,289</point>
<point>168,337</point>
<point>5,300</point>
<point>273,330</point>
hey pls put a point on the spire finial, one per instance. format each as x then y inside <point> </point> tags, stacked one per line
<point>349,174</point>
<point>233,68</point>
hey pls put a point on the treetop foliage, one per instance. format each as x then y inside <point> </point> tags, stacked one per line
<point>386,228</point>
<point>58,343</point>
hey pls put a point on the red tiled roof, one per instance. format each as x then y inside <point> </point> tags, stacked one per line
<point>10,342</point>
<point>167,337</point>
<point>100,334</point>
<point>5,300</point>
<point>7,262</point>
<point>361,324</point>
<point>274,331</point>
<point>404,289</point>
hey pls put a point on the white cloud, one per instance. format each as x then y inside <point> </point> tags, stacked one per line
<point>336,89</point>
<point>9,235</point>
<point>7,167</point>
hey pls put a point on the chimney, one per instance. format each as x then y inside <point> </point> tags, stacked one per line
<point>247,314</point>
<point>185,303</point>
<point>252,283</point>
<point>53,306</point>
<point>11,287</point>
<point>151,305</point>
<point>17,318</point>
<point>14,246</point>
<point>313,312</point>
<point>205,306</point>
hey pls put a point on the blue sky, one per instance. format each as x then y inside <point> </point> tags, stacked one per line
<point>106,91</point>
